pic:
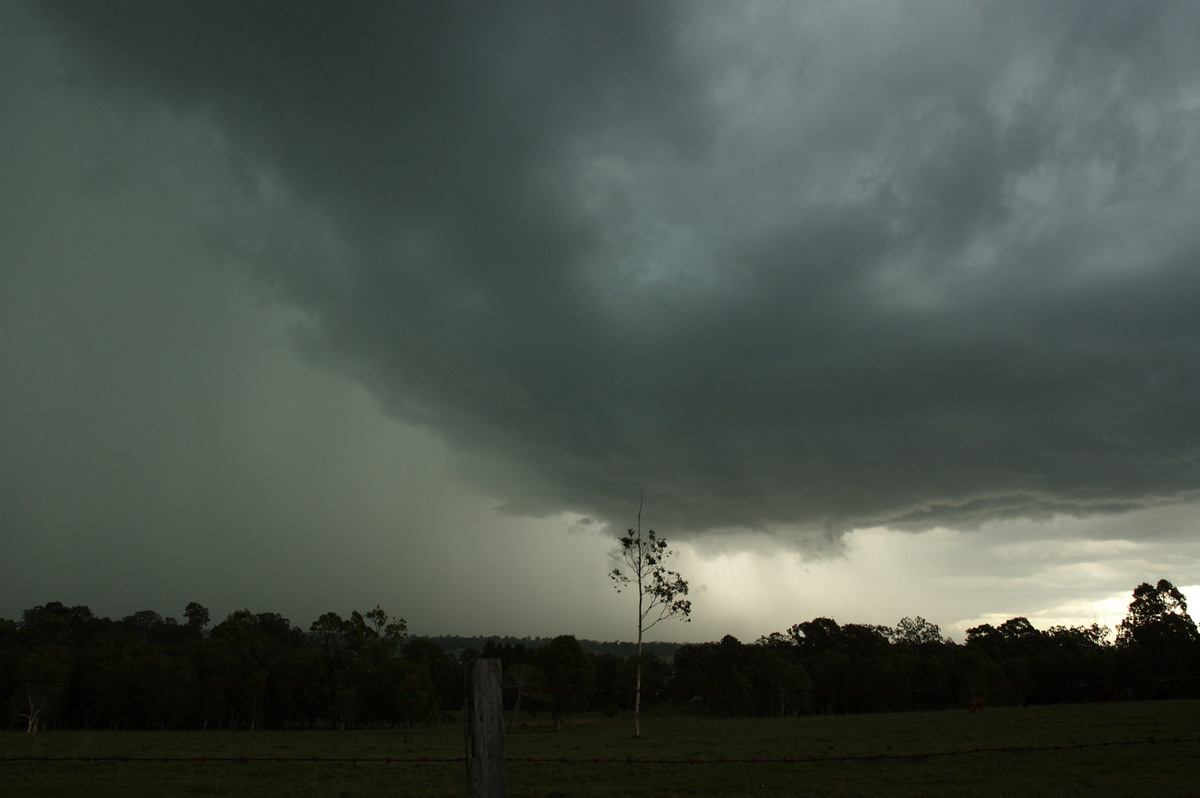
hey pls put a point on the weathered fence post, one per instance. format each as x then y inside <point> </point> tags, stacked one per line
<point>483,714</point>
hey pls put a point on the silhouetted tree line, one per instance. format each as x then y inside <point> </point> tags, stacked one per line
<point>64,667</point>
<point>819,666</point>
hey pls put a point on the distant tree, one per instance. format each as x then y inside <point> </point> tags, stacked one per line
<point>400,692</point>
<point>328,629</point>
<point>568,677</point>
<point>56,622</point>
<point>1160,639</point>
<point>1079,637</point>
<point>660,592</point>
<point>274,625</point>
<point>818,635</point>
<point>197,616</point>
<point>987,638</point>
<point>916,631</point>
<point>436,663</point>
<point>428,655</point>
<point>1018,630</point>
<point>42,686</point>
<point>1017,637</point>
<point>10,655</point>
<point>775,640</point>
<point>389,632</point>
<point>786,682</point>
<point>1157,615</point>
<point>235,667</point>
<point>142,623</point>
<point>356,654</point>
<point>521,679</point>
<point>865,640</point>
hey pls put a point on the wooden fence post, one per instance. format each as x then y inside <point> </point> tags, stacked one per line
<point>483,714</point>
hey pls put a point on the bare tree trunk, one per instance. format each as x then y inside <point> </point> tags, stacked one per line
<point>637,692</point>
<point>35,705</point>
<point>516,708</point>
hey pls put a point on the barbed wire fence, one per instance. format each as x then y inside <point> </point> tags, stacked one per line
<point>794,760</point>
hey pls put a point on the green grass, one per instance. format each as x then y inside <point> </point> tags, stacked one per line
<point>1166,767</point>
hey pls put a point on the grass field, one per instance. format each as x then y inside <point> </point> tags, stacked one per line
<point>900,754</point>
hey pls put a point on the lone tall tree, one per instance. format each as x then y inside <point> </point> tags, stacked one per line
<point>660,592</point>
<point>1158,625</point>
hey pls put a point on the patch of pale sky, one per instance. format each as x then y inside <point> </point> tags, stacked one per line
<point>931,574</point>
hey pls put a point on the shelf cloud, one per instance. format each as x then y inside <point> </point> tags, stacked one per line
<point>799,268</point>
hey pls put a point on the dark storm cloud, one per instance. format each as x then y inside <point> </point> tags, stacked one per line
<point>823,264</point>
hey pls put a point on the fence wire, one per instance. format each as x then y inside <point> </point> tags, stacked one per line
<point>632,761</point>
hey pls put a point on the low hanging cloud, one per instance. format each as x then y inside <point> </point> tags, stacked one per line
<point>804,265</point>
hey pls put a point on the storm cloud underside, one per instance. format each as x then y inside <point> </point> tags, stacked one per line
<point>807,266</point>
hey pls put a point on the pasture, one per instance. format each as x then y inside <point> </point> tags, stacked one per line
<point>1085,749</point>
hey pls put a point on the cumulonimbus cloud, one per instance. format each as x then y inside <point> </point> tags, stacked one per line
<point>829,265</point>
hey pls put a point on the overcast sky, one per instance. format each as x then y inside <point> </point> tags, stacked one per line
<point>890,308</point>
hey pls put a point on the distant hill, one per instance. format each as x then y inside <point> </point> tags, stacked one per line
<point>454,644</point>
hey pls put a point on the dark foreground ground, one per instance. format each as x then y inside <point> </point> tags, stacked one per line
<point>1134,748</point>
